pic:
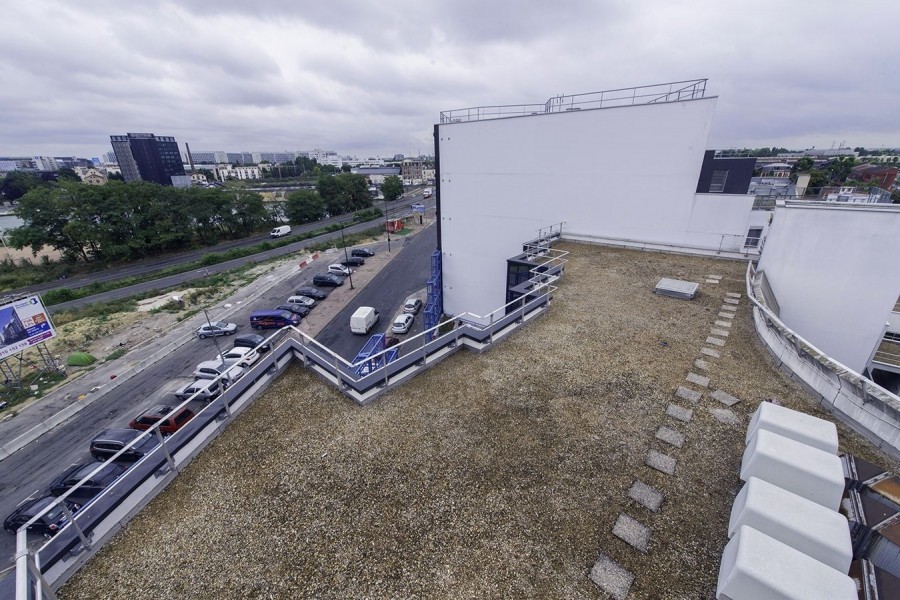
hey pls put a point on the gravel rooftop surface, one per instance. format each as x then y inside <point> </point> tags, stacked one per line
<point>492,475</point>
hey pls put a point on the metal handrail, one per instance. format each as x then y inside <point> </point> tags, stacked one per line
<point>645,94</point>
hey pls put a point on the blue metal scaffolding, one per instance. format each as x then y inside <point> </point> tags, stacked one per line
<point>434,306</point>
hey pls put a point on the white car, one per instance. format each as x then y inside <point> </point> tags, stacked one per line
<point>412,306</point>
<point>243,357</point>
<point>402,323</point>
<point>211,369</point>
<point>339,269</point>
<point>302,301</point>
<point>217,328</point>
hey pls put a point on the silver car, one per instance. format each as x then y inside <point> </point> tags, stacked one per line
<point>217,328</point>
<point>211,369</point>
<point>205,389</point>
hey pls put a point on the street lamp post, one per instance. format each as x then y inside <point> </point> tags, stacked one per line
<point>346,258</point>
<point>215,341</point>
<point>386,228</point>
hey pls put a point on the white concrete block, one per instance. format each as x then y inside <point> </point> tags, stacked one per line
<point>800,523</point>
<point>806,471</point>
<point>755,566</point>
<point>795,425</point>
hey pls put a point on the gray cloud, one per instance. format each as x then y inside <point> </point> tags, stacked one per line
<point>371,78</point>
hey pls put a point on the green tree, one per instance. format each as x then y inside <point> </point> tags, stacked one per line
<point>356,191</point>
<point>67,174</point>
<point>345,168</point>
<point>304,206</point>
<point>115,177</point>
<point>392,188</point>
<point>47,214</point>
<point>18,183</point>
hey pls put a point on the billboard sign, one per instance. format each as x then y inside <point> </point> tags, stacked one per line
<point>23,323</point>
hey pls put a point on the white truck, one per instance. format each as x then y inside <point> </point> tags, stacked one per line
<point>280,231</point>
<point>363,320</point>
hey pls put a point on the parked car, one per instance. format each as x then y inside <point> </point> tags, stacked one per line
<point>168,424</point>
<point>412,306</point>
<point>390,341</point>
<point>327,280</point>
<point>297,309</point>
<point>311,292</point>
<point>252,340</point>
<point>337,269</point>
<point>48,525</point>
<point>109,441</point>
<point>214,329</point>
<point>204,388</point>
<point>243,357</point>
<point>363,252</point>
<point>98,482</point>
<point>273,319</point>
<point>354,261</point>
<point>211,369</point>
<point>402,323</point>
<point>301,300</point>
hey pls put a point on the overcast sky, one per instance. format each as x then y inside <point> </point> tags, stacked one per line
<point>370,78</point>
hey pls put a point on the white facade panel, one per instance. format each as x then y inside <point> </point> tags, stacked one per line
<point>835,273</point>
<point>626,172</point>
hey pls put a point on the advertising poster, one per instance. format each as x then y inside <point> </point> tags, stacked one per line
<point>23,323</point>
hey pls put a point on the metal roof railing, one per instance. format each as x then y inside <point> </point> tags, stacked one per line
<point>674,91</point>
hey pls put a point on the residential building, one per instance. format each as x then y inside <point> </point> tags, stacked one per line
<point>93,177</point>
<point>205,157</point>
<point>148,157</point>
<point>45,163</point>
<point>411,172</point>
<point>881,175</point>
<point>326,157</point>
<point>855,195</point>
<point>227,171</point>
<point>239,158</point>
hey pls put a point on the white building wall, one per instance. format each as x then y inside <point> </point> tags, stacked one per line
<point>835,273</point>
<point>501,180</point>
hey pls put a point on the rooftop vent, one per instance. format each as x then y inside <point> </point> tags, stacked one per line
<point>685,290</point>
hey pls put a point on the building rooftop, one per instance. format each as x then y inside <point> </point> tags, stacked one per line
<point>500,474</point>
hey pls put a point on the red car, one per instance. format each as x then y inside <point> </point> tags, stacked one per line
<point>168,425</point>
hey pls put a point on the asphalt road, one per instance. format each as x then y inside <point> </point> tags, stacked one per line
<point>406,275</point>
<point>29,471</point>
<point>152,265</point>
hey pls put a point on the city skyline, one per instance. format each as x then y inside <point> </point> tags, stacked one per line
<point>369,82</point>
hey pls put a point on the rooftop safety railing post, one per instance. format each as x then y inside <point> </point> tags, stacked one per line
<point>74,524</point>
<point>386,375</point>
<point>162,442</point>
<point>337,372</point>
<point>22,565</point>
<point>492,329</point>
<point>424,351</point>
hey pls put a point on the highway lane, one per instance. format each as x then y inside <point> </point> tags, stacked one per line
<point>406,274</point>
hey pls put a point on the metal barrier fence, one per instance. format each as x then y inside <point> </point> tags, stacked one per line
<point>645,94</point>
<point>40,573</point>
<point>865,406</point>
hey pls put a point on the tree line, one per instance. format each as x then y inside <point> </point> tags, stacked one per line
<point>342,193</point>
<point>127,221</point>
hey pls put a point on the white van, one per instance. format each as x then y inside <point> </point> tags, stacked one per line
<point>280,231</point>
<point>363,320</point>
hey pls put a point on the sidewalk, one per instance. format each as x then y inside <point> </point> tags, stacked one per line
<point>42,415</point>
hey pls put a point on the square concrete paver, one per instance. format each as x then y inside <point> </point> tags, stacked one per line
<point>726,315</point>
<point>701,364</point>
<point>723,323</point>
<point>710,352</point>
<point>698,379</point>
<point>632,531</point>
<point>723,415</point>
<point>660,462</point>
<point>611,577</point>
<point>725,398</point>
<point>647,496</point>
<point>679,412</point>
<point>715,341</point>
<point>670,436</point>
<point>688,394</point>
<point>720,332</point>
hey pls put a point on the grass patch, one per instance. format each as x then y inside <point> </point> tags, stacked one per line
<point>43,381</point>
<point>117,353</point>
<point>99,310</point>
